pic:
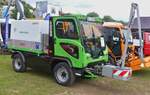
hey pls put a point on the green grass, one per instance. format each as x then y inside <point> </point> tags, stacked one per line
<point>29,83</point>
<point>143,74</point>
<point>40,83</point>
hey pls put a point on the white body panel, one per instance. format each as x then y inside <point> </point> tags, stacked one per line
<point>29,34</point>
<point>29,30</point>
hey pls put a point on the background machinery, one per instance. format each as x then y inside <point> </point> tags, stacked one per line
<point>116,34</point>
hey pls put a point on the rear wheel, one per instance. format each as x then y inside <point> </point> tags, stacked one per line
<point>63,74</point>
<point>18,63</point>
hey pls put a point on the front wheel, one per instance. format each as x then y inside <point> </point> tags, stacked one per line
<point>63,74</point>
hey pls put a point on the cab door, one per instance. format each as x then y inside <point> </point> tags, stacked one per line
<point>66,40</point>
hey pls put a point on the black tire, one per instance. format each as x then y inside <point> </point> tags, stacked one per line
<point>63,74</point>
<point>18,63</point>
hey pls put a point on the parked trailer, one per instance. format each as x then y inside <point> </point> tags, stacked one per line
<point>146,43</point>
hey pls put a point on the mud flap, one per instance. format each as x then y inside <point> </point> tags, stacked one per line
<point>117,72</point>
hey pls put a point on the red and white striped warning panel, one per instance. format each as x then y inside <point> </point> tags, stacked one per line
<point>122,74</point>
<point>117,72</point>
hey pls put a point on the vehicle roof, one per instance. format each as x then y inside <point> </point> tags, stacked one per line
<point>113,25</point>
<point>81,18</point>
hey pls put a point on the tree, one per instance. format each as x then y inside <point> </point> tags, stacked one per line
<point>28,9</point>
<point>92,14</point>
<point>2,3</point>
<point>96,16</point>
<point>108,19</point>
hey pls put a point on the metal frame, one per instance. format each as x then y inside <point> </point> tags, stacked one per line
<point>134,10</point>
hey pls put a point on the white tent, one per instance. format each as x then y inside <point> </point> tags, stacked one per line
<point>2,21</point>
<point>0,34</point>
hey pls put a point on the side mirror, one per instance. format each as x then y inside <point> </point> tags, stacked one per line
<point>102,42</point>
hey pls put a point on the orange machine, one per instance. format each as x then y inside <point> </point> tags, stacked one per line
<point>115,36</point>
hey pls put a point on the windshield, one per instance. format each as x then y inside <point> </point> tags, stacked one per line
<point>90,30</point>
<point>92,38</point>
<point>111,33</point>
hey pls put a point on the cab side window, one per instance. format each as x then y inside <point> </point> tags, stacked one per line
<point>66,29</point>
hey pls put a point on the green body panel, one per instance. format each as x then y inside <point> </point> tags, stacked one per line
<point>38,52</point>
<point>59,51</point>
<point>87,60</point>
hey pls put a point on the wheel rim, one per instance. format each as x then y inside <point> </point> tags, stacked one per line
<point>62,75</point>
<point>17,63</point>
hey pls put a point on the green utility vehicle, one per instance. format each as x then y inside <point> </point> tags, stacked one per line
<point>69,46</point>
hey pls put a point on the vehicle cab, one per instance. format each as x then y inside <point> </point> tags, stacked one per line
<point>79,40</point>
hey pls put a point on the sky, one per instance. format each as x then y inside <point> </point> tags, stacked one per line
<point>118,9</point>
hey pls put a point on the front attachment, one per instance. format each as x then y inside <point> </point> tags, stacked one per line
<point>117,72</point>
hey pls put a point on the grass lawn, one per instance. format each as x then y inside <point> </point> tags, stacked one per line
<point>39,83</point>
